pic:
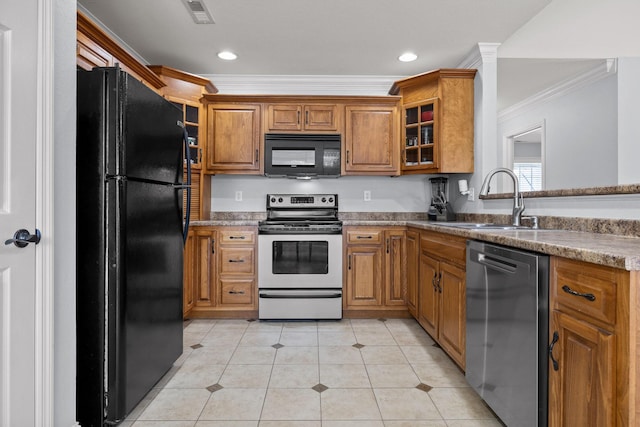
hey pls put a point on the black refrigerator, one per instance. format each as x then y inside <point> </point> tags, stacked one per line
<point>129,241</point>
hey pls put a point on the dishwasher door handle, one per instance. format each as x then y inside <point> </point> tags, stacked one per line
<point>497,264</point>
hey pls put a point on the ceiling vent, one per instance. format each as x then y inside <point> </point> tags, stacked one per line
<point>198,11</point>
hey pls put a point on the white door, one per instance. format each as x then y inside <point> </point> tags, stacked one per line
<point>21,124</point>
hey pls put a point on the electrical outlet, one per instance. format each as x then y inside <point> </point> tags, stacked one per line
<point>472,194</point>
<point>367,195</point>
<point>238,196</point>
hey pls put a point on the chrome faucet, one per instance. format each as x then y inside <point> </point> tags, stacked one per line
<point>518,200</point>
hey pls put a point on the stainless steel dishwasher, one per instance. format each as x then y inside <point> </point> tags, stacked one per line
<point>507,329</point>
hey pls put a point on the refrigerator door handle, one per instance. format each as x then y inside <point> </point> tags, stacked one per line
<point>187,153</point>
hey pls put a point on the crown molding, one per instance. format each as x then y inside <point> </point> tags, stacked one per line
<point>562,88</point>
<point>250,84</point>
<point>480,54</point>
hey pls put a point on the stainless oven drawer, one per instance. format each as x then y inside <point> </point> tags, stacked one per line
<point>300,304</point>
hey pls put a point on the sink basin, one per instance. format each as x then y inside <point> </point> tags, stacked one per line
<point>484,226</point>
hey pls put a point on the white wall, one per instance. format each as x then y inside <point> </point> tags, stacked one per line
<point>400,194</point>
<point>580,135</point>
<point>628,129</point>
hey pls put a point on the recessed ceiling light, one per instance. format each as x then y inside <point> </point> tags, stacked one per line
<point>408,57</point>
<point>227,55</point>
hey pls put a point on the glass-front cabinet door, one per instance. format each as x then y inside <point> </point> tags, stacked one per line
<point>420,151</point>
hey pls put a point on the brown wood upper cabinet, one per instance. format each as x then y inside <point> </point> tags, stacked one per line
<point>302,117</point>
<point>234,138</point>
<point>371,141</point>
<point>437,121</point>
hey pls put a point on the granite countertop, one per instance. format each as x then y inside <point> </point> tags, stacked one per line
<point>603,247</point>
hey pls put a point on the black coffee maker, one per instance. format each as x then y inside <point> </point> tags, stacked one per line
<point>440,208</point>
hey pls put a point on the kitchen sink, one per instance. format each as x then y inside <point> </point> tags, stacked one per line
<point>484,226</point>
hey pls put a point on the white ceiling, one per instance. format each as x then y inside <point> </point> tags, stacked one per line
<point>313,37</point>
<point>365,37</point>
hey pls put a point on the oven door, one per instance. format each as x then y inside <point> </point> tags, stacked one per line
<point>300,261</point>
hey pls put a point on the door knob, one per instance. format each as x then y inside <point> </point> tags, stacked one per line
<point>22,238</point>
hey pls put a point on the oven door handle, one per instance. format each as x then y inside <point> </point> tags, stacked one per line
<point>300,296</point>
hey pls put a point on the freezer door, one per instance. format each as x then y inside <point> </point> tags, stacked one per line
<point>151,140</point>
<point>145,293</point>
<point>135,131</point>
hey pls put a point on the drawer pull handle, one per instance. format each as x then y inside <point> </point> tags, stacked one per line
<point>553,343</point>
<point>364,237</point>
<point>237,237</point>
<point>236,260</point>
<point>236,292</point>
<point>568,290</point>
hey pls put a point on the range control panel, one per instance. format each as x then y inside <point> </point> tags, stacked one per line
<point>306,201</point>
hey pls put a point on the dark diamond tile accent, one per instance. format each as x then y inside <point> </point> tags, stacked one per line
<point>251,320</point>
<point>382,320</point>
<point>319,387</point>
<point>277,346</point>
<point>196,346</point>
<point>424,387</point>
<point>436,345</point>
<point>214,388</point>
<point>358,345</point>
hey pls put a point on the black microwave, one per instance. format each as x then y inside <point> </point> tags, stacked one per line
<point>302,155</point>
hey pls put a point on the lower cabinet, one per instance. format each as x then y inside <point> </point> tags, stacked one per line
<point>220,272</point>
<point>374,267</point>
<point>441,303</point>
<point>590,378</point>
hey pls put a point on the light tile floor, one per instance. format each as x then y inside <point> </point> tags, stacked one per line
<point>348,373</point>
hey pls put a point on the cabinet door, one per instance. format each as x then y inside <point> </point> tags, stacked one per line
<point>189,275</point>
<point>428,295</point>
<point>321,117</point>
<point>364,276</point>
<point>205,270</point>
<point>395,264</point>
<point>452,330</point>
<point>286,117</point>
<point>233,138</point>
<point>413,255</point>
<point>582,390</point>
<point>371,140</point>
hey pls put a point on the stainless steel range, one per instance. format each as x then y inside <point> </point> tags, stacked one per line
<point>300,258</point>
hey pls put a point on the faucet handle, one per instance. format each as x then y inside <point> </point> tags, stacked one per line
<point>533,219</point>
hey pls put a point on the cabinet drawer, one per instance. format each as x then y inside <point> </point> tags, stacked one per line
<point>229,237</point>
<point>585,289</point>
<point>364,236</point>
<point>236,260</point>
<point>444,246</point>
<point>236,291</point>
